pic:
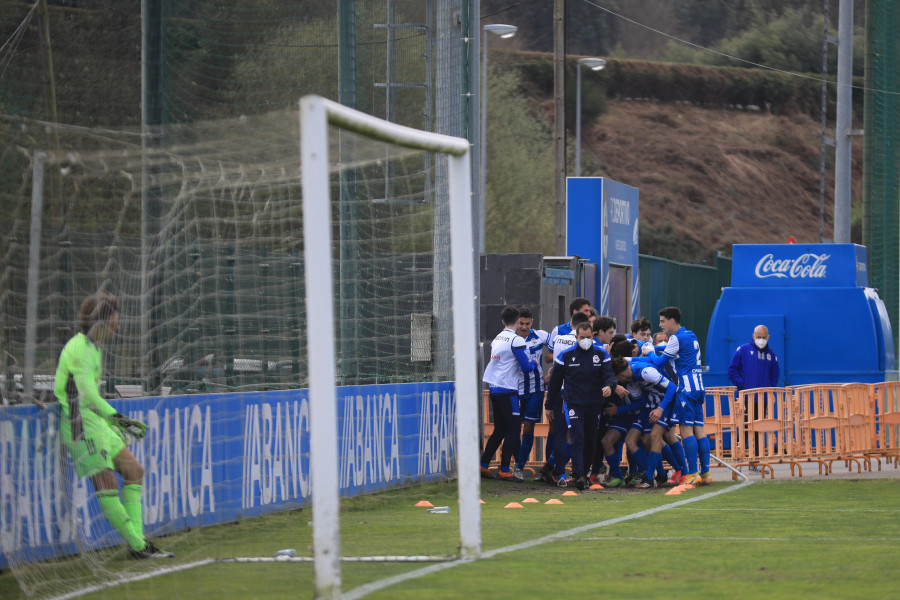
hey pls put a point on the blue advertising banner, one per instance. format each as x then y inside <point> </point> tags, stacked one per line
<point>214,458</point>
<point>799,265</point>
<point>602,228</point>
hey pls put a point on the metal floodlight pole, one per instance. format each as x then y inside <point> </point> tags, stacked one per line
<point>843,125</point>
<point>504,31</point>
<point>594,64</point>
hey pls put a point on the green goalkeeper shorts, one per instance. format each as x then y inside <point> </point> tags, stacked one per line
<point>96,450</point>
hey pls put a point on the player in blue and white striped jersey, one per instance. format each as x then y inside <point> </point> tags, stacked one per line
<point>640,334</point>
<point>658,439</point>
<point>683,351</point>
<point>503,373</point>
<point>531,385</point>
<point>578,305</point>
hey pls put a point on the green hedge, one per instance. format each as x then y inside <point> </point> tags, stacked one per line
<point>774,91</point>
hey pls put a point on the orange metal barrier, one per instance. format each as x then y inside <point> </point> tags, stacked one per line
<point>857,413</point>
<point>886,409</point>
<point>765,418</point>
<point>719,427</point>
<point>852,423</point>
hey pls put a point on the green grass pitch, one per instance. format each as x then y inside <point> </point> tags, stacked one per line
<point>775,539</point>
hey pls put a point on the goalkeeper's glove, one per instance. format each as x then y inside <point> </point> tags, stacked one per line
<point>130,427</point>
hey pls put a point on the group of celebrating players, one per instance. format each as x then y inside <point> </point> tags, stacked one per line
<point>603,391</point>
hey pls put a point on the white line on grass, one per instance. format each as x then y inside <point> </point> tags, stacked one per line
<point>381,584</point>
<point>739,539</point>
<point>804,510</point>
<point>114,581</point>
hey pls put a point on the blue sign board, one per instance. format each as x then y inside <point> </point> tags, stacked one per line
<point>799,265</point>
<point>799,292</point>
<point>214,458</point>
<point>602,228</point>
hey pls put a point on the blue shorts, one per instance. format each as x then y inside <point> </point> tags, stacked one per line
<point>622,422</point>
<point>531,406</point>
<point>668,418</point>
<point>642,421</point>
<point>690,408</point>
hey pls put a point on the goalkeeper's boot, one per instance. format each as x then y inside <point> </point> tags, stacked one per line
<point>150,551</point>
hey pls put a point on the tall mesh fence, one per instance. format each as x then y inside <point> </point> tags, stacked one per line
<point>213,285</point>
<point>882,154</point>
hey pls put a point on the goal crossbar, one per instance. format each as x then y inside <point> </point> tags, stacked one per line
<point>316,114</point>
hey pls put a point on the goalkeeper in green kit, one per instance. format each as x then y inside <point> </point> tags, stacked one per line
<point>94,434</point>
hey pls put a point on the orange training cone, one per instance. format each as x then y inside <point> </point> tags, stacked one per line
<point>513,505</point>
<point>424,503</point>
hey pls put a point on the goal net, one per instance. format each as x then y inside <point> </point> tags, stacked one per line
<point>288,331</point>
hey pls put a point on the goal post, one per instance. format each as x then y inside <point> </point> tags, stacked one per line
<point>316,114</point>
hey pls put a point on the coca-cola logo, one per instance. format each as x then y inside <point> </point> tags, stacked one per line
<point>805,266</point>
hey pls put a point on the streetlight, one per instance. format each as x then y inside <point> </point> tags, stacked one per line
<point>594,64</point>
<point>504,31</point>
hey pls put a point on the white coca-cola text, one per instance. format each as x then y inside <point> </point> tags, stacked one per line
<point>809,266</point>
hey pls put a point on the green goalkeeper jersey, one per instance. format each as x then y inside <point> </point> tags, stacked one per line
<point>77,387</point>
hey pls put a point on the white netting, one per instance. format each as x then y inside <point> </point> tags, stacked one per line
<point>198,232</point>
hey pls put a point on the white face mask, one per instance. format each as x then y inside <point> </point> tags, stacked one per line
<point>761,342</point>
<point>585,343</point>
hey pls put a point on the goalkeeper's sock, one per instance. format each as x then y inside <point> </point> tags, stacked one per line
<point>131,500</point>
<point>117,516</point>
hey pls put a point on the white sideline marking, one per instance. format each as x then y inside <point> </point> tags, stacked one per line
<point>741,539</point>
<point>132,578</point>
<point>804,510</point>
<point>375,586</point>
<point>261,559</point>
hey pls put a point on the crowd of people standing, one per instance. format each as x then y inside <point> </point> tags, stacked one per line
<point>602,391</point>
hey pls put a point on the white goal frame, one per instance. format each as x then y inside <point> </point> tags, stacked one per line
<point>316,114</point>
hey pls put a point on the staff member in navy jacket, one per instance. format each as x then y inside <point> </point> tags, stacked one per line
<point>587,372</point>
<point>754,364</point>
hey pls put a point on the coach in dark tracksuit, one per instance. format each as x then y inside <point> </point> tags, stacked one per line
<point>587,372</point>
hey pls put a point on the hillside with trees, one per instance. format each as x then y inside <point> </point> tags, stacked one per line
<point>709,176</point>
<point>716,164</point>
